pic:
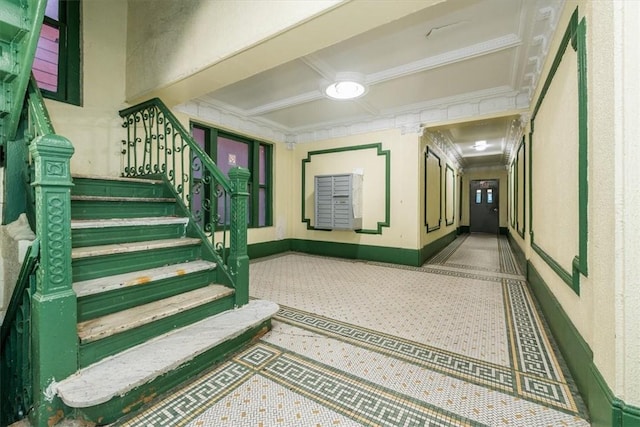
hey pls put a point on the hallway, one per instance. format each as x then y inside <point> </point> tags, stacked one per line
<point>457,341</point>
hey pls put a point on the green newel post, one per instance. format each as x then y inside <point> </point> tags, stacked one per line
<point>238,258</point>
<point>54,336</point>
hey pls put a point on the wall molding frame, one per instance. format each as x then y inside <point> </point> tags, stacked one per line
<point>449,177</point>
<point>521,152</point>
<point>575,34</point>
<point>432,227</point>
<point>387,180</point>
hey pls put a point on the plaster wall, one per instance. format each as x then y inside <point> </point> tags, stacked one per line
<point>436,197</point>
<point>95,128</point>
<point>404,183</point>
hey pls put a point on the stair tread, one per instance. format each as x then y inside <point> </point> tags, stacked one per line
<point>118,248</point>
<point>118,281</point>
<point>136,366</point>
<point>77,224</point>
<point>118,178</point>
<point>121,199</point>
<point>111,324</point>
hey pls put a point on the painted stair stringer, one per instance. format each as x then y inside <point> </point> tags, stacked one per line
<point>116,376</point>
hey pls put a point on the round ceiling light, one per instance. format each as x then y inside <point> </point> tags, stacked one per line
<point>346,86</point>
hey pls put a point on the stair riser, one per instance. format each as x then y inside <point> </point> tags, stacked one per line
<point>101,187</point>
<point>120,406</point>
<point>110,235</point>
<point>98,209</point>
<point>93,306</point>
<point>94,351</point>
<point>108,265</point>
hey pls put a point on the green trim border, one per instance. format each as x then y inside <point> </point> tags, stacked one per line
<point>521,147</point>
<point>387,188</point>
<point>576,34</point>
<point>356,251</point>
<point>431,249</point>
<point>448,168</point>
<point>426,216</point>
<point>604,408</point>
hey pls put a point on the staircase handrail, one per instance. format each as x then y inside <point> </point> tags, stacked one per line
<point>24,76</point>
<point>157,144</point>
<point>39,119</point>
<point>193,145</point>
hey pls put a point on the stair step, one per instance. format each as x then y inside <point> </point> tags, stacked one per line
<point>119,281</point>
<point>116,376</point>
<point>79,224</point>
<point>117,178</point>
<point>111,324</point>
<point>122,199</point>
<point>119,248</point>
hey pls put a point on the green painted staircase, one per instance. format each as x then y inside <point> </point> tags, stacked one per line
<point>150,313</point>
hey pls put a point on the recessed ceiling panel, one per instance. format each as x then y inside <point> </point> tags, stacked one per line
<point>317,112</point>
<point>445,27</point>
<point>285,81</point>
<point>463,77</point>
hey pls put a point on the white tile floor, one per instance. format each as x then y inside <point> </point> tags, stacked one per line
<point>455,342</point>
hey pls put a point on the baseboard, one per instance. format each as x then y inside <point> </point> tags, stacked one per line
<point>430,249</point>
<point>354,251</point>
<point>259,250</point>
<point>464,229</point>
<point>504,231</point>
<point>604,408</point>
<point>521,258</point>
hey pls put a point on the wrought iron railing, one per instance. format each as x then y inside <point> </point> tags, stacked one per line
<point>158,145</point>
<point>39,338</point>
<point>15,341</point>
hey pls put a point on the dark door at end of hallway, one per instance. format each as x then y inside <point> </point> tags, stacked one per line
<point>483,206</point>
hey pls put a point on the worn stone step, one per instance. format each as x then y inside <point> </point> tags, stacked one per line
<point>174,353</point>
<point>111,283</point>
<point>119,248</point>
<point>121,199</point>
<point>80,224</point>
<point>111,324</point>
<point>117,178</point>
<point>84,185</point>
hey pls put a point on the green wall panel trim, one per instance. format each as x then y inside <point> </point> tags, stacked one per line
<point>436,246</point>
<point>449,172</point>
<point>387,182</point>
<point>521,259</point>
<point>354,251</point>
<point>432,227</point>
<point>604,408</point>
<point>259,250</point>
<point>576,35</point>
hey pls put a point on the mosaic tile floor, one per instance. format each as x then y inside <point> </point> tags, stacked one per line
<point>455,342</point>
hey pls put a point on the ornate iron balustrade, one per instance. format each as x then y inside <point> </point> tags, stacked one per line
<point>15,341</point>
<point>158,145</point>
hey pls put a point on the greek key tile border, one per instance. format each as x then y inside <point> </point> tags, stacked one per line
<point>508,262</point>
<point>552,392</point>
<point>367,403</point>
<point>186,404</point>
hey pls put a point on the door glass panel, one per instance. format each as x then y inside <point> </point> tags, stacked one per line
<point>489,195</point>
<point>478,196</point>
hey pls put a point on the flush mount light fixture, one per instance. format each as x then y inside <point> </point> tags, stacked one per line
<point>480,145</point>
<point>346,86</point>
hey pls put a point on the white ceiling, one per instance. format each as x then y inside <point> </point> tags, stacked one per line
<point>463,69</point>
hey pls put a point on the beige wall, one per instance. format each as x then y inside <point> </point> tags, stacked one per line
<point>436,199</point>
<point>404,181</point>
<point>95,128</point>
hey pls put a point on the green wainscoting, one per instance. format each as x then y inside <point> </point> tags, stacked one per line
<point>604,408</point>
<point>403,256</point>
<point>355,251</point>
